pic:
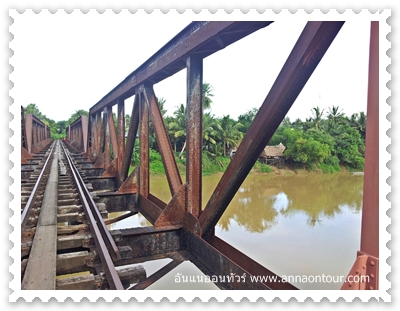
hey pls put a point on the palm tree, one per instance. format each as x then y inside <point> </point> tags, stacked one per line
<point>334,114</point>
<point>317,116</point>
<point>359,122</point>
<point>209,129</point>
<point>229,132</point>
<point>177,128</point>
<point>207,94</point>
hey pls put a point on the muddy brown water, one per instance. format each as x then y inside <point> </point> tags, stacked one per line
<point>304,227</point>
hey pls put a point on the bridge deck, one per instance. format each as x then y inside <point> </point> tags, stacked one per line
<point>41,269</point>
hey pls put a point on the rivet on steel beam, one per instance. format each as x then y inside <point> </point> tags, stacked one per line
<point>364,267</point>
<point>371,288</point>
<point>372,263</point>
<point>372,276</point>
<point>357,271</point>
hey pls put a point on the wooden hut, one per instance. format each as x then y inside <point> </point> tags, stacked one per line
<point>273,155</point>
<point>270,155</point>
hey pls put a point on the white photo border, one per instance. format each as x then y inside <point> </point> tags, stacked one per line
<point>332,295</point>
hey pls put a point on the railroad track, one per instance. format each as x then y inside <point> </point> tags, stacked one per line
<point>65,243</point>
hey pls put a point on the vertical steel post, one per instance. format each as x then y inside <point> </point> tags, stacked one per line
<point>120,153</point>
<point>107,151</point>
<point>370,211</point>
<point>144,184</point>
<point>99,136</point>
<point>29,133</point>
<point>194,137</point>
<point>113,136</point>
<point>84,123</point>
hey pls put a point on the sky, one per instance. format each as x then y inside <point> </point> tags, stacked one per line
<point>67,62</point>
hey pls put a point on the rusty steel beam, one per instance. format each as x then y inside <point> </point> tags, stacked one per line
<point>370,211</point>
<point>149,209</point>
<point>194,134</point>
<point>201,38</point>
<point>120,153</point>
<point>251,266</point>
<point>113,135</point>
<point>149,241</point>
<point>107,138</point>
<point>85,128</point>
<point>130,141</point>
<point>167,156</point>
<point>77,134</point>
<point>367,262</point>
<point>156,275</point>
<point>97,126</point>
<point>304,58</point>
<point>214,264</point>
<point>144,172</point>
<point>174,212</point>
<point>34,129</point>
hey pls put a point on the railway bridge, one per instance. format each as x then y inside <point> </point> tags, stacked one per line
<point>69,187</point>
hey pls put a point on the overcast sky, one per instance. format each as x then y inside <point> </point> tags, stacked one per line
<point>66,62</point>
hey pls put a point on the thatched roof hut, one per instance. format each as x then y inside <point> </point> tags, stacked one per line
<point>273,151</point>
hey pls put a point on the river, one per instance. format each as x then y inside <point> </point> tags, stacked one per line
<point>299,226</point>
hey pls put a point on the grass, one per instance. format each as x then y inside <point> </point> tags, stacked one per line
<point>262,168</point>
<point>217,164</point>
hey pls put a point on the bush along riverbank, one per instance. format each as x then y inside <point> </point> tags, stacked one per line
<point>212,164</point>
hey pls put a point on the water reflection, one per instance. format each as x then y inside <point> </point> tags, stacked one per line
<point>293,225</point>
<point>262,197</point>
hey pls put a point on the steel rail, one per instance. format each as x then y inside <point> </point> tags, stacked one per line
<point>29,203</point>
<point>202,38</point>
<point>99,231</point>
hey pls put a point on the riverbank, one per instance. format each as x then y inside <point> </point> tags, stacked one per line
<point>218,165</point>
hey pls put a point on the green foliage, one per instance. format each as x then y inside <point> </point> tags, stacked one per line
<point>156,165</point>
<point>308,151</point>
<point>328,168</point>
<point>76,115</point>
<point>349,146</point>
<point>213,164</point>
<point>263,168</point>
<point>246,119</point>
<point>322,141</point>
<point>135,160</point>
<point>285,135</point>
<point>207,94</point>
<point>333,162</point>
<point>228,130</point>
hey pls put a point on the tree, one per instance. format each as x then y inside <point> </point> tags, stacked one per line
<point>334,114</point>
<point>177,128</point>
<point>349,146</point>
<point>207,94</point>
<point>246,119</point>
<point>359,122</point>
<point>308,151</point>
<point>316,118</point>
<point>77,114</point>
<point>209,133</point>
<point>33,109</point>
<point>229,132</point>
<point>61,126</point>
<point>286,122</point>
<point>285,135</point>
